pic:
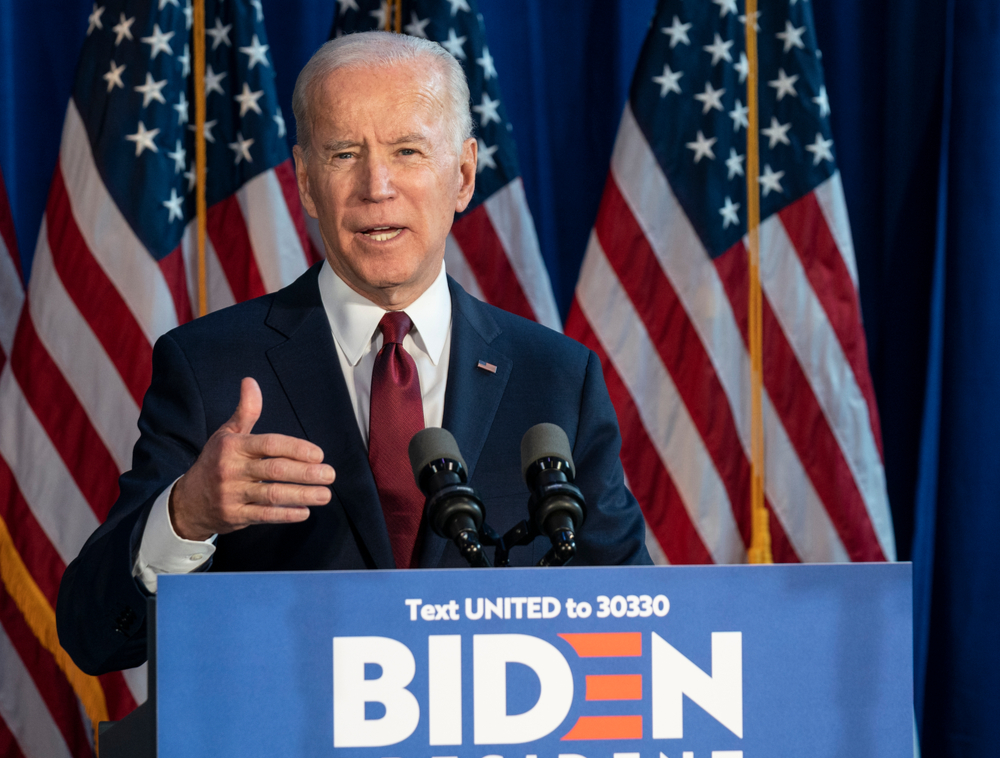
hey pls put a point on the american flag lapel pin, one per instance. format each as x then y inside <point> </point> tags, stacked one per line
<point>487,367</point>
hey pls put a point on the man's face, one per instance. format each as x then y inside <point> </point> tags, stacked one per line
<point>383,178</point>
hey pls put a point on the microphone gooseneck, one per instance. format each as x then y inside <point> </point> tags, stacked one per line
<point>454,510</point>
<point>556,505</point>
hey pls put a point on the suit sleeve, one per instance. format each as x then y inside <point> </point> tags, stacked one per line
<point>101,609</point>
<point>614,531</point>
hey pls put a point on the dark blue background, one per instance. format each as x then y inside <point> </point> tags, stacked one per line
<point>915,95</point>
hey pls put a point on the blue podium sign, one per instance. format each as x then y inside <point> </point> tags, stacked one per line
<point>629,662</point>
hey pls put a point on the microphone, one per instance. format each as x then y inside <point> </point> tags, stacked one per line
<point>453,508</point>
<point>556,505</point>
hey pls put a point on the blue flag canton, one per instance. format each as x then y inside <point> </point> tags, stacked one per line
<point>135,92</point>
<point>457,26</point>
<point>689,98</point>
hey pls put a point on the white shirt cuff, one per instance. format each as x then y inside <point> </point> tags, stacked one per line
<point>162,551</point>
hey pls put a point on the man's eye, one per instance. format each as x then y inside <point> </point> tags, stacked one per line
<point>407,151</point>
<point>344,156</point>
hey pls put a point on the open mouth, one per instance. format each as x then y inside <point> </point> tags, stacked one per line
<point>382,233</point>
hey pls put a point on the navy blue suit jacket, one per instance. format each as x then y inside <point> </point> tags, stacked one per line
<point>284,341</point>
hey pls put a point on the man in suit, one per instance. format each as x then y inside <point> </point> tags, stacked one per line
<point>331,376</point>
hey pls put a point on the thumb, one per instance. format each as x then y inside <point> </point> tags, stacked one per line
<point>249,408</point>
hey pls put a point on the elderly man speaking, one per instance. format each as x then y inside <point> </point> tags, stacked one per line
<point>331,376</point>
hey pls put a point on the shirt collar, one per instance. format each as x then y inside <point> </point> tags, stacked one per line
<point>354,318</point>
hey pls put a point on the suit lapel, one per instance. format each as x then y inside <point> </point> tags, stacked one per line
<point>473,394</point>
<point>309,371</point>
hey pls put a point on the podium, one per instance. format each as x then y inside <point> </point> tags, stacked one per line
<point>619,662</point>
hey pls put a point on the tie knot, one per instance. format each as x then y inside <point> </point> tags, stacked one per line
<point>394,325</point>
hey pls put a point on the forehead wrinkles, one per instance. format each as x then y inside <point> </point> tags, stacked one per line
<point>388,101</point>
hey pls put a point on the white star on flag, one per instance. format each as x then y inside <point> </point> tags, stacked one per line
<point>489,70</point>
<point>164,3</point>
<point>219,33</point>
<point>158,41</point>
<point>207,131</point>
<point>677,32</point>
<point>189,13</point>
<point>770,180</point>
<point>151,90</point>
<point>668,81</point>
<point>734,163</point>
<point>485,158</point>
<point>719,50</point>
<point>459,5</point>
<point>728,212</point>
<point>257,6</point>
<point>777,133</point>
<point>784,84</point>
<point>820,149</point>
<point>381,15</point>
<point>185,61</point>
<point>192,178</point>
<point>823,102</point>
<point>257,52</point>
<point>726,6</point>
<point>487,110</point>
<point>346,5</point>
<point>143,139</point>
<point>213,81</point>
<point>179,156</point>
<point>182,109</point>
<point>94,19</point>
<point>248,100</point>
<point>792,37</point>
<point>702,147</point>
<point>123,29</point>
<point>241,148</point>
<point>739,116</point>
<point>756,20</point>
<point>114,76</point>
<point>417,26</point>
<point>280,121</point>
<point>174,206</point>
<point>454,44</point>
<point>742,68</point>
<point>712,98</point>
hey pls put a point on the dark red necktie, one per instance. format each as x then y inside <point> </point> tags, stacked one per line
<point>396,414</point>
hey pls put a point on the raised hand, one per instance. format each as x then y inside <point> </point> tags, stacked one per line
<point>242,478</point>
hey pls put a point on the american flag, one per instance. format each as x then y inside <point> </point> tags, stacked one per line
<point>663,297</point>
<point>114,268</point>
<point>492,250</point>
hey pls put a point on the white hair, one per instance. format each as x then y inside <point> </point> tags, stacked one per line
<point>371,49</point>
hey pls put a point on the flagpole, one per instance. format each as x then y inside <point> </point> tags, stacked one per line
<point>399,17</point>
<point>200,155</point>
<point>760,534</point>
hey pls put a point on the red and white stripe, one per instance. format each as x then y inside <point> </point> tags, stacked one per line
<point>670,325</point>
<point>74,365</point>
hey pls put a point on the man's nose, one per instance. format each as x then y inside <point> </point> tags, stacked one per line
<point>377,181</point>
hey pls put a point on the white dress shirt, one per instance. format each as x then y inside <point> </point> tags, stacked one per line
<point>354,323</point>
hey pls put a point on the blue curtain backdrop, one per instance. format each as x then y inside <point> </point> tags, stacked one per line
<point>915,91</point>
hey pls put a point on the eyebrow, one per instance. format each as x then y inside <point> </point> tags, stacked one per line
<point>339,145</point>
<point>336,147</point>
<point>412,137</point>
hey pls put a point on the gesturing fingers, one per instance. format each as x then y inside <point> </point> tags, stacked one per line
<point>280,446</point>
<point>287,470</point>
<point>285,495</point>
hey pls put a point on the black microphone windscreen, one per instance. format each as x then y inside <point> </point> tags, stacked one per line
<point>431,444</point>
<point>545,441</point>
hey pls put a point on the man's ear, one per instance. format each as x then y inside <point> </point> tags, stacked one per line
<point>302,179</point>
<point>467,167</point>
